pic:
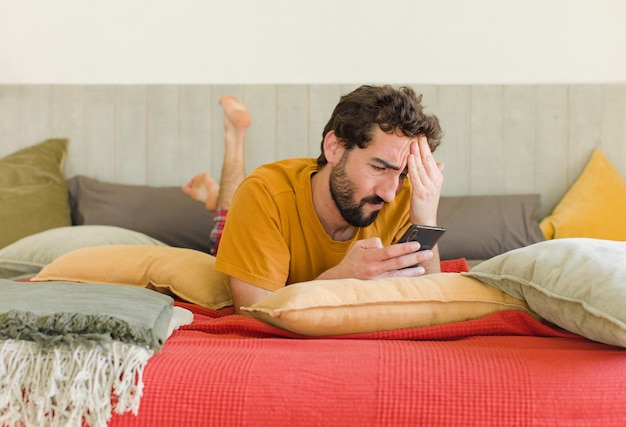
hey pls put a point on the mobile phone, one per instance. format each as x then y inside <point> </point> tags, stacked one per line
<point>426,235</point>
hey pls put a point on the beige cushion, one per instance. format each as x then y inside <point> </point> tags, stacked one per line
<point>31,253</point>
<point>348,306</point>
<point>578,284</point>
<point>186,273</point>
<point>33,193</point>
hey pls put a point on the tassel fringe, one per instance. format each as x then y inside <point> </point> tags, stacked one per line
<point>63,386</point>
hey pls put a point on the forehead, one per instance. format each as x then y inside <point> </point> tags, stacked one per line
<point>392,148</point>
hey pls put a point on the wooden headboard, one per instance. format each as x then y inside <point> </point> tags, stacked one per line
<point>499,139</point>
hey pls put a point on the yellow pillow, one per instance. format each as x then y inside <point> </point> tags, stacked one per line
<point>594,206</point>
<point>186,273</point>
<point>348,306</point>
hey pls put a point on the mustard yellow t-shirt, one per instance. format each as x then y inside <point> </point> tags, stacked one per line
<point>273,237</point>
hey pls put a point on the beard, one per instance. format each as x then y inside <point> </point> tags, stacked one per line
<point>342,190</point>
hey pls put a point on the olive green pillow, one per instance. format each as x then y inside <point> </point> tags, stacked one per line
<point>33,192</point>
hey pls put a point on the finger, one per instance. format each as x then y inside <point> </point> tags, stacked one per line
<point>417,172</point>
<point>416,179</point>
<point>425,163</point>
<point>407,261</point>
<point>428,172</point>
<point>408,272</point>
<point>399,249</point>
<point>426,155</point>
<point>415,258</point>
<point>371,243</point>
<point>419,175</point>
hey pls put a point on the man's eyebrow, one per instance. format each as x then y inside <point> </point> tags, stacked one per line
<point>385,163</point>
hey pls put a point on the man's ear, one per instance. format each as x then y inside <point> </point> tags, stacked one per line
<point>333,148</point>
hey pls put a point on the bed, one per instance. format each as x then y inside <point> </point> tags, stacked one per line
<point>533,334</point>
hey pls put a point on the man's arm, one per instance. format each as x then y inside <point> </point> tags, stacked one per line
<point>432,265</point>
<point>367,259</point>
<point>245,294</point>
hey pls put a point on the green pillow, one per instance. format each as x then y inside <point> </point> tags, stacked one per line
<point>578,284</point>
<point>33,192</point>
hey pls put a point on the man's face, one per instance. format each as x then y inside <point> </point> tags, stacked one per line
<point>365,179</point>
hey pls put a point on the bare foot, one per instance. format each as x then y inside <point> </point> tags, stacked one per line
<point>203,188</point>
<point>235,113</point>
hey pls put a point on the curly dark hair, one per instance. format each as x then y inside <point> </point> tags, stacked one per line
<point>357,113</point>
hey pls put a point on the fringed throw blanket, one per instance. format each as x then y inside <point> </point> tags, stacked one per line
<point>70,353</point>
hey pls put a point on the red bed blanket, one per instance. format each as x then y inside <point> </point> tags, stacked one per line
<point>504,369</point>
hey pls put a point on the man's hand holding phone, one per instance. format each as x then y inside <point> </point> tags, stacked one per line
<point>426,235</point>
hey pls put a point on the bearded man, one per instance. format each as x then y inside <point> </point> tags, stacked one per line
<point>342,214</point>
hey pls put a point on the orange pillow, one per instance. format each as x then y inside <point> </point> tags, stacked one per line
<point>351,306</point>
<point>186,273</point>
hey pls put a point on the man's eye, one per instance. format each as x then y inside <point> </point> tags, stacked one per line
<point>378,168</point>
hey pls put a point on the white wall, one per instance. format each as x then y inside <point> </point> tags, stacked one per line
<point>312,41</point>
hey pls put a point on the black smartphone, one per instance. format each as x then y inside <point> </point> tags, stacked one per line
<point>426,235</point>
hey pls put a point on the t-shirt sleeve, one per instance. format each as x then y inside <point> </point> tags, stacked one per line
<point>252,248</point>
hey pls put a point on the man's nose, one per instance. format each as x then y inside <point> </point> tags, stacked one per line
<point>388,189</point>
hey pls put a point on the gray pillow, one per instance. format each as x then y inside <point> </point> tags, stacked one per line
<point>164,213</point>
<point>578,284</point>
<point>481,227</point>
